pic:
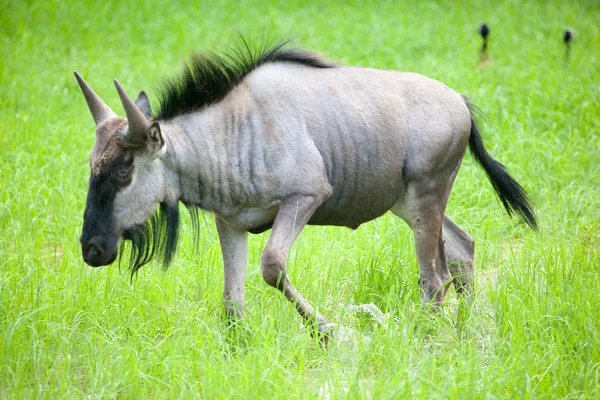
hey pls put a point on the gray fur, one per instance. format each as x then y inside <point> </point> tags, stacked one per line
<point>293,145</point>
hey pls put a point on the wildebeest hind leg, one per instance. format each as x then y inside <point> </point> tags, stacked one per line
<point>460,250</point>
<point>293,215</point>
<point>423,210</point>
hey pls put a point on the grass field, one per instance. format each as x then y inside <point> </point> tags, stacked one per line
<point>70,331</point>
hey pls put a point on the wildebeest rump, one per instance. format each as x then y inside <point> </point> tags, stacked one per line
<point>277,138</point>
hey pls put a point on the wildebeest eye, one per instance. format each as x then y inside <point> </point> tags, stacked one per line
<point>123,175</point>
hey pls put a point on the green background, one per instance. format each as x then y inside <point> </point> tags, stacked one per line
<point>67,330</point>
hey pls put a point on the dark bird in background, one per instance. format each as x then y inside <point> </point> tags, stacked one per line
<point>484,31</point>
<point>567,39</point>
<point>568,36</point>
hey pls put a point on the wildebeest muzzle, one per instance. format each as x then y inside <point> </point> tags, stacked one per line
<point>98,251</point>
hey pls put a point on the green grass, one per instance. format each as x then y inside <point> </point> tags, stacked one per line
<point>69,331</point>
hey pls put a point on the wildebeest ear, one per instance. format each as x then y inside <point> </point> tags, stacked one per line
<point>154,137</point>
<point>143,104</point>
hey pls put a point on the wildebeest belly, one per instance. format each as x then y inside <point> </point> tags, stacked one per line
<point>366,179</point>
<point>350,206</point>
<point>364,156</point>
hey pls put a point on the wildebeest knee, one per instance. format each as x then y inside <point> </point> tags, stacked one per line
<point>272,267</point>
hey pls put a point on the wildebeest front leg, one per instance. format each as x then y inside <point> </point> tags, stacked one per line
<point>234,245</point>
<point>293,215</point>
<point>460,250</point>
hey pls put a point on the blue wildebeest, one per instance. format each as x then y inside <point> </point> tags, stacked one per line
<point>278,139</point>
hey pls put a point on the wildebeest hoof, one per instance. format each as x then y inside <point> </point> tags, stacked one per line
<point>325,332</point>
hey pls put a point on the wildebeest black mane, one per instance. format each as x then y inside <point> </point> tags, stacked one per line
<point>208,77</point>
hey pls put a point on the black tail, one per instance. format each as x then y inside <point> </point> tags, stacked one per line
<point>511,194</point>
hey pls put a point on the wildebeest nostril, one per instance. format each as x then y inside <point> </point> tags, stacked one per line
<point>92,252</point>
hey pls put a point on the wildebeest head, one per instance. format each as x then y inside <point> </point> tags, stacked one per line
<point>127,180</point>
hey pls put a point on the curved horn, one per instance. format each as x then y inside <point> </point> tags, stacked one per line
<point>99,110</point>
<point>138,124</point>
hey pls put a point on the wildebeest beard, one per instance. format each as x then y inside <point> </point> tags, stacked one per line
<point>157,235</point>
